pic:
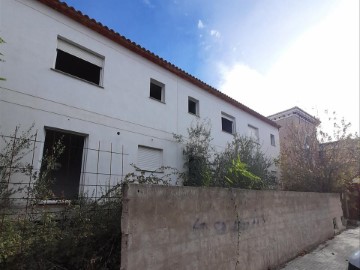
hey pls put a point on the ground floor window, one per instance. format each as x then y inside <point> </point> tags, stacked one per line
<point>66,172</point>
<point>149,159</point>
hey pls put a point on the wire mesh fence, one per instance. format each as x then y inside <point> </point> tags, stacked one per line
<point>90,173</point>
<point>57,212</point>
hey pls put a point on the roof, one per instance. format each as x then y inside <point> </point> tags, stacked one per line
<point>297,111</point>
<point>96,26</point>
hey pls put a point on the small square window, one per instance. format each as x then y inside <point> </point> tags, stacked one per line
<point>272,139</point>
<point>193,106</point>
<point>157,90</point>
<point>227,123</point>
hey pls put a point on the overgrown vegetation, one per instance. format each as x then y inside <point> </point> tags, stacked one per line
<point>318,161</point>
<point>161,176</point>
<point>82,235</point>
<point>14,148</point>
<point>242,164</point>
<point>86,233</point>
<point>198,154</point>
<point>79,234</point>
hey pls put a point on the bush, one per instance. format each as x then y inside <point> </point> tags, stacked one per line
<point>240,165</point>
<point>197,153</point>
<point>83,235</point>
<point>243,162</point>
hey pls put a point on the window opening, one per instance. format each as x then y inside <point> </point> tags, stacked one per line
<point>228,123</point>
<point>157,90</point>
<point>272,139</point>
<point>78,62</point>
<point>193,106</point>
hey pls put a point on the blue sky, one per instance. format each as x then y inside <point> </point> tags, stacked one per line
<point>268,54</point>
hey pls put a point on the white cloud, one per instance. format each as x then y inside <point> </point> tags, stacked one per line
<point>215,33</point>
<point>319,71</point>
<point>200,24</point>
<point>244,84</point>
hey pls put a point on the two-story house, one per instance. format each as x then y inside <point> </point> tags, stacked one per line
<point>110,101</point>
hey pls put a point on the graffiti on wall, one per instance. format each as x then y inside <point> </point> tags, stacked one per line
<point>222,227</point>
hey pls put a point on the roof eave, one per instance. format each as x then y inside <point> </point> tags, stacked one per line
<point>85,20</point>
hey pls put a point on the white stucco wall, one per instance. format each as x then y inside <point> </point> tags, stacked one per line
<point>34,93</point>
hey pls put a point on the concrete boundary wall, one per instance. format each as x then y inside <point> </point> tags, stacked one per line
<point>216,228</point>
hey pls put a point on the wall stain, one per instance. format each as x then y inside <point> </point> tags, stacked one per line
<point>220,227</point>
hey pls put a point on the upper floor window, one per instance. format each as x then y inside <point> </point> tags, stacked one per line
<point>157,90</point>
<point>253,132</point>
<point>193,106</point>
<point>272,139</point>
<point>227,123</point>
<point>79,61</point>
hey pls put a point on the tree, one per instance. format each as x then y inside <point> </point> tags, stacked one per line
<point>318,161</point>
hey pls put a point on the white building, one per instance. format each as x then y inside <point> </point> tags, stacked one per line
<point>75,78</point>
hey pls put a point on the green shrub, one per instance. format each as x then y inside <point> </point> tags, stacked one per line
<point>83,235</point>
<point>240,165</point>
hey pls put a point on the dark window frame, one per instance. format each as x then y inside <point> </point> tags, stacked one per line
<point>157,91</point>
<point>193,106</point>
<point>77,67</point>
<point>272,140</point>
<point>69,164</point>
<point>228,123</point>
<point>79,62</point>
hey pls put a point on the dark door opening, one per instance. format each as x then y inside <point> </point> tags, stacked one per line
<point>67,170</point>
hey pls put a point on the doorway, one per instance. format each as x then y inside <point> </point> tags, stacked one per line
<point>67,170</point>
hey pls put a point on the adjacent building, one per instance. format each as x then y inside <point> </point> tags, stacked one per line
<point>295,122</point>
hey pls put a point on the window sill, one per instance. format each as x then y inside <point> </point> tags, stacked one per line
<point>163,102</point>
<point>75,77</point>
<point>194,114</point>
<point>228,132</point>
<point>148,171</point>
